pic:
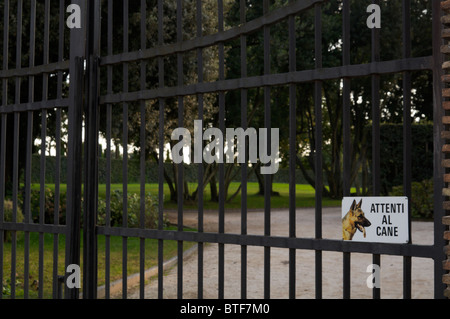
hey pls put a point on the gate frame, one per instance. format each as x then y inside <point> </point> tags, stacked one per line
<point>84,99</point>
<point>318,244</point>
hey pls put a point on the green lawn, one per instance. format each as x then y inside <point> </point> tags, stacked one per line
<point>305,196</point>
<point>133,259</point>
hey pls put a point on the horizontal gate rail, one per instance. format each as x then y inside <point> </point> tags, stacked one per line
<point>210,40</point>
<point>425,251</point>
<point>36,70</point>
<point>33,227</point>
<point>35,106</point>
<point>353,71</point>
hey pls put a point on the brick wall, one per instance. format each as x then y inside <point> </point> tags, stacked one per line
<point>445,5</point>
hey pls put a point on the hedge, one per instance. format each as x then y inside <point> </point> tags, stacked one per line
<point>133,171</point>
<point>391,150</point>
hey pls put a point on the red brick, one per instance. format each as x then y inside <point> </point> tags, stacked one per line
<point>445,5</point>
<point>445,19</point>
<point>446,220</point>
<point>445,49</point>
<point>447,250</point>
<point>446,92</point>
<point>446,264</point>
<point>447,293</point>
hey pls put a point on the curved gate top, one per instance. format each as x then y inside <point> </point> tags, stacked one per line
<point>116,116</point>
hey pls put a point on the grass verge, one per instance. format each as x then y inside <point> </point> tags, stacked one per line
<point>116,255</point>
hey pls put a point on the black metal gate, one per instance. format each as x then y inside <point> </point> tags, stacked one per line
<point>107,76</point>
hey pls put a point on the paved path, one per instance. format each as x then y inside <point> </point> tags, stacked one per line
<point>392,266</point>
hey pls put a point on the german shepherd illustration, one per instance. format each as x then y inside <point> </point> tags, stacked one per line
<point>354,220</point>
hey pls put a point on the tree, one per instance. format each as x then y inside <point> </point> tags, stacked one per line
<point>361,106</point>
<point>332,95</point>
<point>171,106</point>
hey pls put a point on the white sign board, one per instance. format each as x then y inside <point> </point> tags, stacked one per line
<point>375,219</point>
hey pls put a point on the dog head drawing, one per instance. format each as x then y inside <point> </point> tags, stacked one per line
<point>355,219</point>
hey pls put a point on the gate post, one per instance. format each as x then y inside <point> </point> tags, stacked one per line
<point>91,153</point>
<point>74,180</point>
<point>73,211</point>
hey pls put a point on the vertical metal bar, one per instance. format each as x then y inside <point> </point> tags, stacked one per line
<point>180,168</point>
<point>125,152</point>
<point>16,147</point>
<point>58,150</point>
<point>42,199</point>
<point>244,123</point>
<point>2,185</point>
<point>109,74</point>
<point>142,150</point>
<point>91,154</point>
<point>5,50</point>
<point>376,112</point>
<point>200,165</point>
<point>15,202</point>
<point>61,39</point>
<point>29,150</point>
<point>346,132</point>
<point>108,195</point>
<point>161,153</point>
<point>73,211</point>
<point>376,259</point>
<point>292,157</point>
<point>91,187</point>
<point>438,113</point>
<point>74,178</point>
<point>221,266</point>
<point>57,200</point>
<point>267,178</point>
<point>43,146</point>
<point>407,144</point>
<point>318,146</point>
<point>3,130</point>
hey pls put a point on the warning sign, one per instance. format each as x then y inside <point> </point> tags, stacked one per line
<point>375,219</point>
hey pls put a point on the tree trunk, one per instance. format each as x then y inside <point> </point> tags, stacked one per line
<point>213,188</point>
<point>260,179</point>
<point>172,189</point>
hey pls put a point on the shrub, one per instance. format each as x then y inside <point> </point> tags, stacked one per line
<point>133,210</point>
<point>421,198</point>
<point>49,206</point>
<point>391,142</point>
<point>8,214</point>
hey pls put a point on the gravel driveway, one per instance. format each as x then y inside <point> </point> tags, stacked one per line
<point>391,271</point>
